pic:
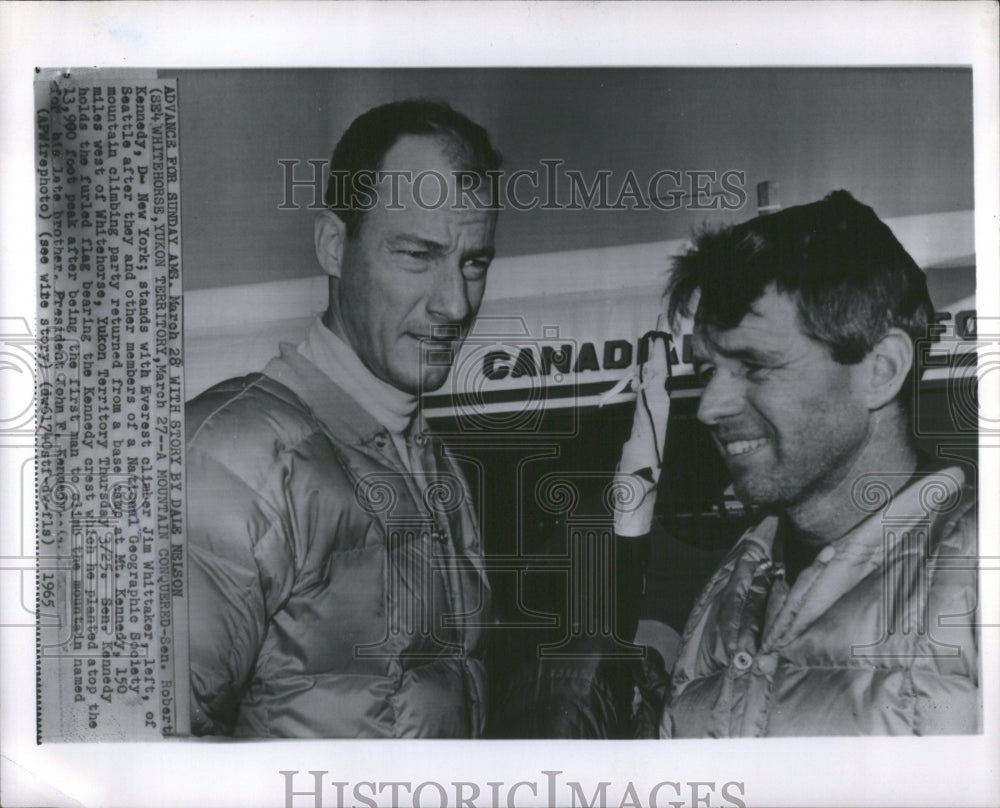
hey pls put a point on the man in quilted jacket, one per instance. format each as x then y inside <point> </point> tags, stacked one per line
<point>337,583</point>
<point>850,607</point>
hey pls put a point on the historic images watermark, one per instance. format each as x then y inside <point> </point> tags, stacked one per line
<point>317,789</point>
<point>550,186</point>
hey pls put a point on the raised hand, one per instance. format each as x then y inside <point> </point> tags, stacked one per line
<point>642,454</point>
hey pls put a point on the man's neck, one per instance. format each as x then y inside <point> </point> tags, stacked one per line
<point>336,357</point>
<point>887,459</point>
<point>332,317</point>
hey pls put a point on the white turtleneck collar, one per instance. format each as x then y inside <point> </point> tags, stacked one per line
<point>392,408</point>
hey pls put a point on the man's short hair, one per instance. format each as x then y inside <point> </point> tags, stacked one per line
<point>363,147</point>
<point>850,276</point>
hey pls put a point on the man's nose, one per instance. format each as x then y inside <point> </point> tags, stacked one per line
<point>723,397</point>
<point>449,300</point>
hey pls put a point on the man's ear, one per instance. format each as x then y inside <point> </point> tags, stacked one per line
<point>330,237</point>
<point>888,363</point>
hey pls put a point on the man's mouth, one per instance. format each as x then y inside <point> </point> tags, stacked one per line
<point>438,335</point>
<point>737,448</point>
<point>432,341</point>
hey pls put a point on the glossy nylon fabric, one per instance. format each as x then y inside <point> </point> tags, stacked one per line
<point>876,637</point>
<point>333,594</point>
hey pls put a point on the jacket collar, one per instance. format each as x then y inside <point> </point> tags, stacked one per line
<point>329,402</point>
<point>841,565</point>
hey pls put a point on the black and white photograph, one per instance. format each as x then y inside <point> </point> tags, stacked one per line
<point>486,485</point>
<point>404,428</point>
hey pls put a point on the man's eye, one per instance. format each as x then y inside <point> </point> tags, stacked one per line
<point>705,373</point>
<point>755,372</point>
<point>475,270</point>
<point>413,260</point>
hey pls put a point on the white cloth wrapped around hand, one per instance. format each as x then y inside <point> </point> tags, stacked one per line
<point>642,454</point>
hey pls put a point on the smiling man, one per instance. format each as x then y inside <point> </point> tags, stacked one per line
<point>337,585</point>
<point>850,608</point>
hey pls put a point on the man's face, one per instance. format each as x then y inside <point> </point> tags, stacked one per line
<point>412,277</point>
<point>788,419</point>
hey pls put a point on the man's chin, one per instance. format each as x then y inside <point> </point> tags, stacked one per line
<point>415,380</point>
<point>754,495</point>
<point>431,382</point>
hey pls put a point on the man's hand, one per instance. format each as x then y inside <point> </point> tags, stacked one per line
<point>642,455</point>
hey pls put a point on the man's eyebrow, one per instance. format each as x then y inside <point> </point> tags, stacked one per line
<point>743,353</point>
<point>486,252</point>
<point>748,353</point>
<point>430,245</point>
<point>418,241</point>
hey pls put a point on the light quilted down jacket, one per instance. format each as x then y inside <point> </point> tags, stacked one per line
<point>876,637</point>
<point>333,594</point>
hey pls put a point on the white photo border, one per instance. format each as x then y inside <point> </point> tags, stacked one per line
<point>828,771</point>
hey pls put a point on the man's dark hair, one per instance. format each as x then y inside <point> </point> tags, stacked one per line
<point>850,276</point>
<point>363,147</point>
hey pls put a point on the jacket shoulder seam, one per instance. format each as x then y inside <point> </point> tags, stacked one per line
<point>261,385</point>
